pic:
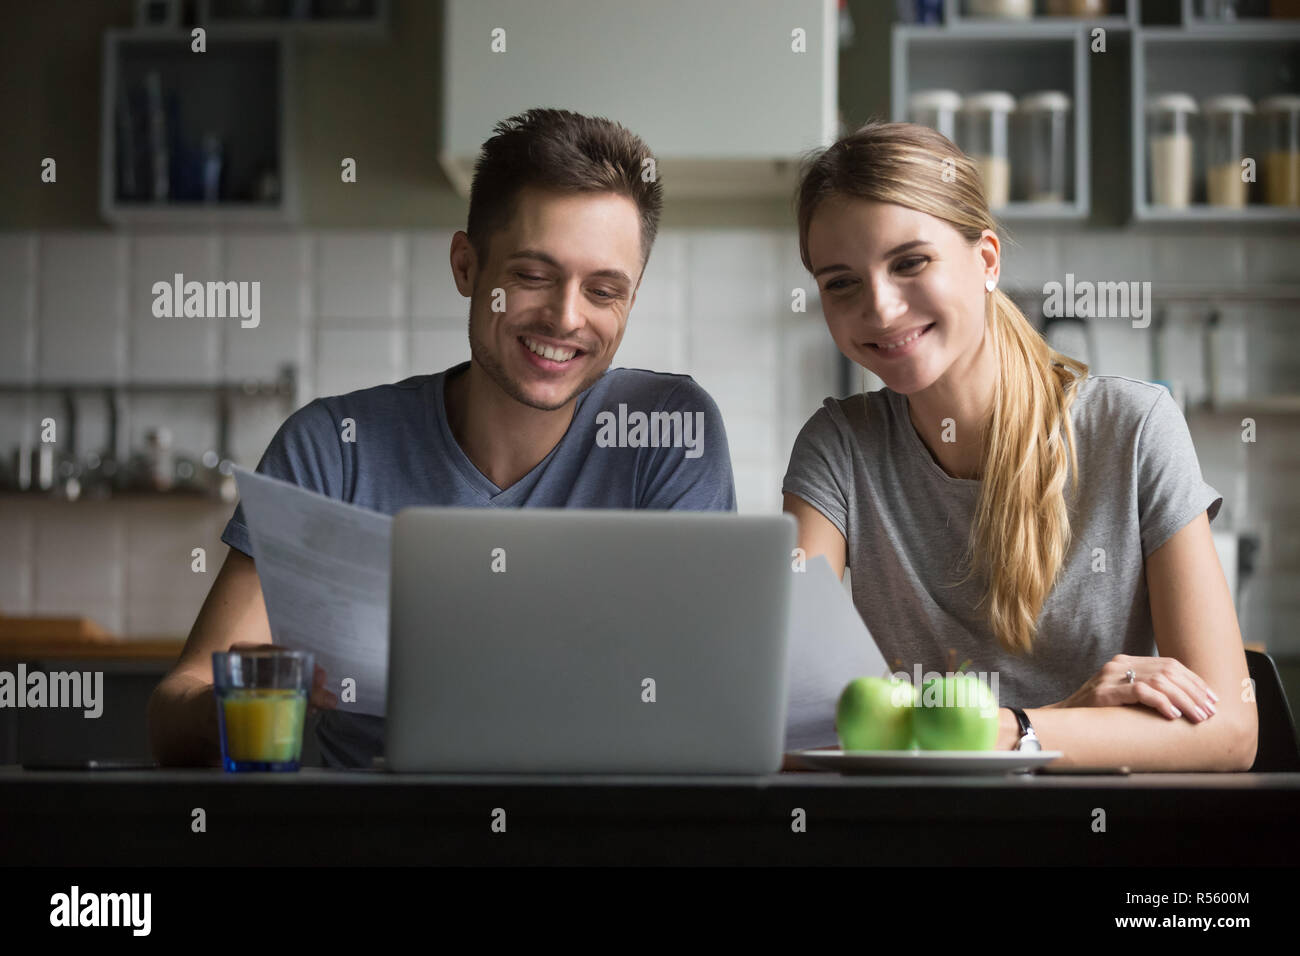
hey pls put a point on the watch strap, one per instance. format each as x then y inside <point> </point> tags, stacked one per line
<point>1026,731</point>
<point>1023,719</point>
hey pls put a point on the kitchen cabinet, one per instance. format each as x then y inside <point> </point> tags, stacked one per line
<point>727,98</point>
<point>1254,59</point>
<point>1016,57</point>
<point>190,137</point>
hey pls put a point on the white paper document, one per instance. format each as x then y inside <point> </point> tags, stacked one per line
<point>829,646</point>
<point>323,565</point>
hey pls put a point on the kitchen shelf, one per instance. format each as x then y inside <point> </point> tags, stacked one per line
<point>224,392</point>
<point>1255,59</point>
<point>1014,58</point>
<point>285,385</point>
<point>1192,21</point>
<point>309,18</point>
<point>237,91</point>
<point>955,18</point>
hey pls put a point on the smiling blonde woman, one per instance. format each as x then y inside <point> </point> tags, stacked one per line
<point>995,501</point>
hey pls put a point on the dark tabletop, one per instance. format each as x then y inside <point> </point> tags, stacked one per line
<point>319,816</point>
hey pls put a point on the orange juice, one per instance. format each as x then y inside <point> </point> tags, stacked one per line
<point>263,725</point>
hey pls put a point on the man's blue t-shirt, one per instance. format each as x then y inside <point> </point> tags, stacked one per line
<point>402,453</point>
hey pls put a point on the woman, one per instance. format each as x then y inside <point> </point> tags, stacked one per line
<point>995,502</point>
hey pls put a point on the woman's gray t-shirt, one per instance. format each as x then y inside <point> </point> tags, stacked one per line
<point>860,462</point>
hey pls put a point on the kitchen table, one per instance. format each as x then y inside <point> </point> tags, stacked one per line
<point>330,817</point>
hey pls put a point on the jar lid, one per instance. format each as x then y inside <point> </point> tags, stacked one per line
<point>1171,103</point>
<point>995,101</point>
<point>1227,103</point>
<point>1053,100</point>
<point>1281,103</point>
<point>935,100</point>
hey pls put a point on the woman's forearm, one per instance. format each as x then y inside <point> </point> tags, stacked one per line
<point>1141,739</point>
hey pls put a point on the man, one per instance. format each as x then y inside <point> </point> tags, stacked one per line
<point>561,222</point>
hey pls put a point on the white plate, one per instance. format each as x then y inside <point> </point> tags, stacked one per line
<point>925,761</point>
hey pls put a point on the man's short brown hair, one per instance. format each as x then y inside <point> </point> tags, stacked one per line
<point>562,151</point>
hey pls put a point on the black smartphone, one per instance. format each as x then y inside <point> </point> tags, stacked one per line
<point>1071,771</point>
<point>91,765</point>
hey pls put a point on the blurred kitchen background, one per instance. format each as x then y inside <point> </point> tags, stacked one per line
<point>1105,152</point>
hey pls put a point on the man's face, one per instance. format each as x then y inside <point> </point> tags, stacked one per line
<point>563,276</point>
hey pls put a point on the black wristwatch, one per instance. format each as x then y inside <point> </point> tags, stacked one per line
<point>1028,739</point>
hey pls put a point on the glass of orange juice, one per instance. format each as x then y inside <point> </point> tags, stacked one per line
<point>261,705</point>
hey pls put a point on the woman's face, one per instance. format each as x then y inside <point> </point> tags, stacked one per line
<point>902,291</point>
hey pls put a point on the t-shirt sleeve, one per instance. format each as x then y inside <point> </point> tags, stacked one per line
<point>1171,491</point>
<point>305,451</point>
<point>818,464</point>
<point>698,476</point>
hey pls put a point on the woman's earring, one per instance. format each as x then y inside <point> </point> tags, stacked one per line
<point>990,284</point>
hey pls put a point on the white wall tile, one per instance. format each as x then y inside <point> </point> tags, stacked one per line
<point>670,256</point>
<point>1030,259</point>
<point>752,439</point>
<point>717,300</point>
<point>735,252</point>
<point>662,294</point>
<point>163,592</point>
<point>753,349</point>
<point>80,561</point>
<point>435,350</point>
<point>18,307</point>
<point>1104,255</point>
<point>349,359</point>
<point>253,423</point>
<point>1181,346</point>
<point>180,348</point>
<point>1121,349</point>
<point>282,264</point>
<point>361,276</point>
<point>741,388</point>
<point>17,558</point>
<point>758,490</point>
<point>82,307</point>
<point>809,373</point>
<point>434,295</point>
<point>1273,258</point>
<point>1197,259</point>
<point>654,341</point>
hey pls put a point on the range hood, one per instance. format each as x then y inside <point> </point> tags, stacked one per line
<point>714,87</point>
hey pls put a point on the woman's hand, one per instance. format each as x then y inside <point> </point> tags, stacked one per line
<point>1161,683</point>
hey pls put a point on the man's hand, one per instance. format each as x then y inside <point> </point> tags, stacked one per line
<point>318,698</point>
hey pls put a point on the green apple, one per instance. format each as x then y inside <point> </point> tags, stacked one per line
<point>875,714</point>
<point>956,713</point>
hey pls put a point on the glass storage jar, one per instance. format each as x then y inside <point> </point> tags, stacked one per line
<point>1170,151</point>
<point>1225,148</point>
<point>1279,121</point>
<point>1043,132</point>
<point>936,109</point>
<point>984,137</point>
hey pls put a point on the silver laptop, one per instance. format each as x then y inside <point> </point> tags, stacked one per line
<point>587,641</point>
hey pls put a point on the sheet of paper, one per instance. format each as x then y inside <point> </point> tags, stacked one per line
<point>829,646</point>
<point>323,565</point>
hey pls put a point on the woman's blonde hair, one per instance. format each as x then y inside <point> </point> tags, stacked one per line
<point>1021,527</point>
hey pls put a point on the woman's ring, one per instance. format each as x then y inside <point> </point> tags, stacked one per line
<point>1130,675</point>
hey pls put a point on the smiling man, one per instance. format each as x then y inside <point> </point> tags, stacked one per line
<point>561,222</point>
